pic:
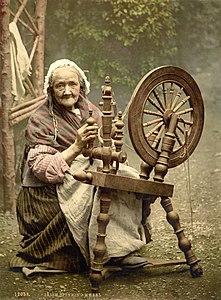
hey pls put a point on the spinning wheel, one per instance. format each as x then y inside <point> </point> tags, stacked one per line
<point>165,124</point>
<point>162,92</point>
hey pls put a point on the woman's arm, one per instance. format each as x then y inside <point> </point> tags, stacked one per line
<point>49,165</point>
<point>85,134</point>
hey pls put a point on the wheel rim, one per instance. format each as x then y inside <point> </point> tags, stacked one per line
<point>163,91</point>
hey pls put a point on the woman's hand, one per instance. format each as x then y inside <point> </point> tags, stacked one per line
<point>85,134</point>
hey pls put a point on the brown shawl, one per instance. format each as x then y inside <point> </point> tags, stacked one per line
<point>43,124</point>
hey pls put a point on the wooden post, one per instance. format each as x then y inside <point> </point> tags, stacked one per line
<point>8,153</point>
<point>0,68</point>
<point>40,12</point>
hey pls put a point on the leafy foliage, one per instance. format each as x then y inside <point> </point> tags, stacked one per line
<point>127,38</point>
<point>115,37</point>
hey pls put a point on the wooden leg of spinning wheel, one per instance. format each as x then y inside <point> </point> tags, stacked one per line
<point>183,242</point>
<point>100,247</point>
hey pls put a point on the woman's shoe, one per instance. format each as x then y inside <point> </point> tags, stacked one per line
<point>132,262</point>
<point>129,262</point>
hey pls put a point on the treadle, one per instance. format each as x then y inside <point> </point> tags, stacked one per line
<point>109,270</point>
<point>165,263</point>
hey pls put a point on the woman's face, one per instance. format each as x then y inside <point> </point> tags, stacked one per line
<point>66,87</point>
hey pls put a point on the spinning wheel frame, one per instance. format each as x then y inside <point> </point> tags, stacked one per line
<point>107,178</point>
<point>183,90</point>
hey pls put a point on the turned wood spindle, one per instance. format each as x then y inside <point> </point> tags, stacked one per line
<point>107,126</point>
<point>119,133</point>
<point>183,242</point>
<point>118,138</point>
<point>90,121</point>
<point>168,142</point>
<point>100,246</point>
<point>146,169</point>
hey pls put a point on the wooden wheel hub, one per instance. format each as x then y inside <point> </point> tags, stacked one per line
<point>166,116</point>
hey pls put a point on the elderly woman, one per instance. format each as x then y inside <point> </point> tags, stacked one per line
<point>57,214</point>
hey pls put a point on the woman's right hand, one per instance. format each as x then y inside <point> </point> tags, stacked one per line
<point>84,135</point>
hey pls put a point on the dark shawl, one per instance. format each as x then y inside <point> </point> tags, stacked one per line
<point>41,126</point>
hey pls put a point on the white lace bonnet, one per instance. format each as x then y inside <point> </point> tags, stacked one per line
<point>62,63</point>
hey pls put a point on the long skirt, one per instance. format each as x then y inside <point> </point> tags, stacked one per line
<point>47,240</point>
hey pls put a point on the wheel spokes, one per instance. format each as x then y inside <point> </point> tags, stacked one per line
<point>181,103</point>
<point>180,142</point>
<point>186,111</point>
<point>154,113</point>
<point>158,99</point>
<point>158,137</point>
<point>165,94</point>
<point>152,122</point>
<point>165,99</point>
<point>186,122</point>
<point>154,129</point>
<point>171,94</point>
<point>178,95</point>
<point>156,105</point>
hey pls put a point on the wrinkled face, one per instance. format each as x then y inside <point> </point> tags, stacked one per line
<point>66,87</point>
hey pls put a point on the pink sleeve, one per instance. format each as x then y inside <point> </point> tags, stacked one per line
<point>47,164</point>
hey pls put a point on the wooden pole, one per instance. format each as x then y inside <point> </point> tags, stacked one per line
<point>8,153</point>
<point>23,23</point>
<point>20,10</point>
<point>40,11</point>
<point>29,17</point>
<point>24,113</point>
<point>26,104</point>
<point>0,68</point>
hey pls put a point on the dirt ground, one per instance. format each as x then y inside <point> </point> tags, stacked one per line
<point>197,199</point>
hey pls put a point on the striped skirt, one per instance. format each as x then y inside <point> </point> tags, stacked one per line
<point>47,240</point>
